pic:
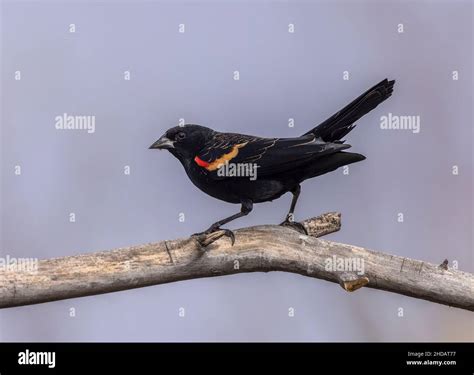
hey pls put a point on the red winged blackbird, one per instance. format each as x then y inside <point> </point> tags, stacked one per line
<point>281,163</point>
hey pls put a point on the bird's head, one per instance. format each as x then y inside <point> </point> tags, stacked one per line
<point>184,141</point>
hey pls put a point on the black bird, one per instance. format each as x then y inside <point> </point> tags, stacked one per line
<point>282,164</point>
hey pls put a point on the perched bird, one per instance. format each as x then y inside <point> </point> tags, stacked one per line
<point>281,164</point>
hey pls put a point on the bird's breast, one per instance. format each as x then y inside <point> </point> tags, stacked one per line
<point>235,189</point>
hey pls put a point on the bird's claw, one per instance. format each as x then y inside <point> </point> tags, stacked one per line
<point>230,234</point>
<point>213,234</point>
<point>294,225</point>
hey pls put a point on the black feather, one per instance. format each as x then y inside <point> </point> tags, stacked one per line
<point>342,122</point>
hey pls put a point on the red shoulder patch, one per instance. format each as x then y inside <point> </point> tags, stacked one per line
<point>201,162</point>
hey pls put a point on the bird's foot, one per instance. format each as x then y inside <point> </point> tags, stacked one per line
<point>294,225</point>
<point>213,234</point>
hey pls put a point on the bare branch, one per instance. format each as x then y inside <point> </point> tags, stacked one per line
<point>257,249</point>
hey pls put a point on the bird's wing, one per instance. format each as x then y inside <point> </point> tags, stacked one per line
<point>268,155</point>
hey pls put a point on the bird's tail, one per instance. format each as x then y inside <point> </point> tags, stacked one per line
<point>342,122</point>
<point>332,162</point>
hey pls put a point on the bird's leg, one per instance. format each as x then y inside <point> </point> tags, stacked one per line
<point>246,208</point>
<point>296,193</point>
<point>289,221</point>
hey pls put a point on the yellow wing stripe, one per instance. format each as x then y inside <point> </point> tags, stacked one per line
<point>216,164</point>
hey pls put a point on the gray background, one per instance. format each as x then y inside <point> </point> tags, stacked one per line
<point>189,76</point>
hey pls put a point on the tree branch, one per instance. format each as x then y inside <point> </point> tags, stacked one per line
<point>257,249</point>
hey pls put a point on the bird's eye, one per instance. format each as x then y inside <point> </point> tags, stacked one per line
<point>181,135</point>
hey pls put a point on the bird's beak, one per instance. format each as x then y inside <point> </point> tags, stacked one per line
<point>163,143</point>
